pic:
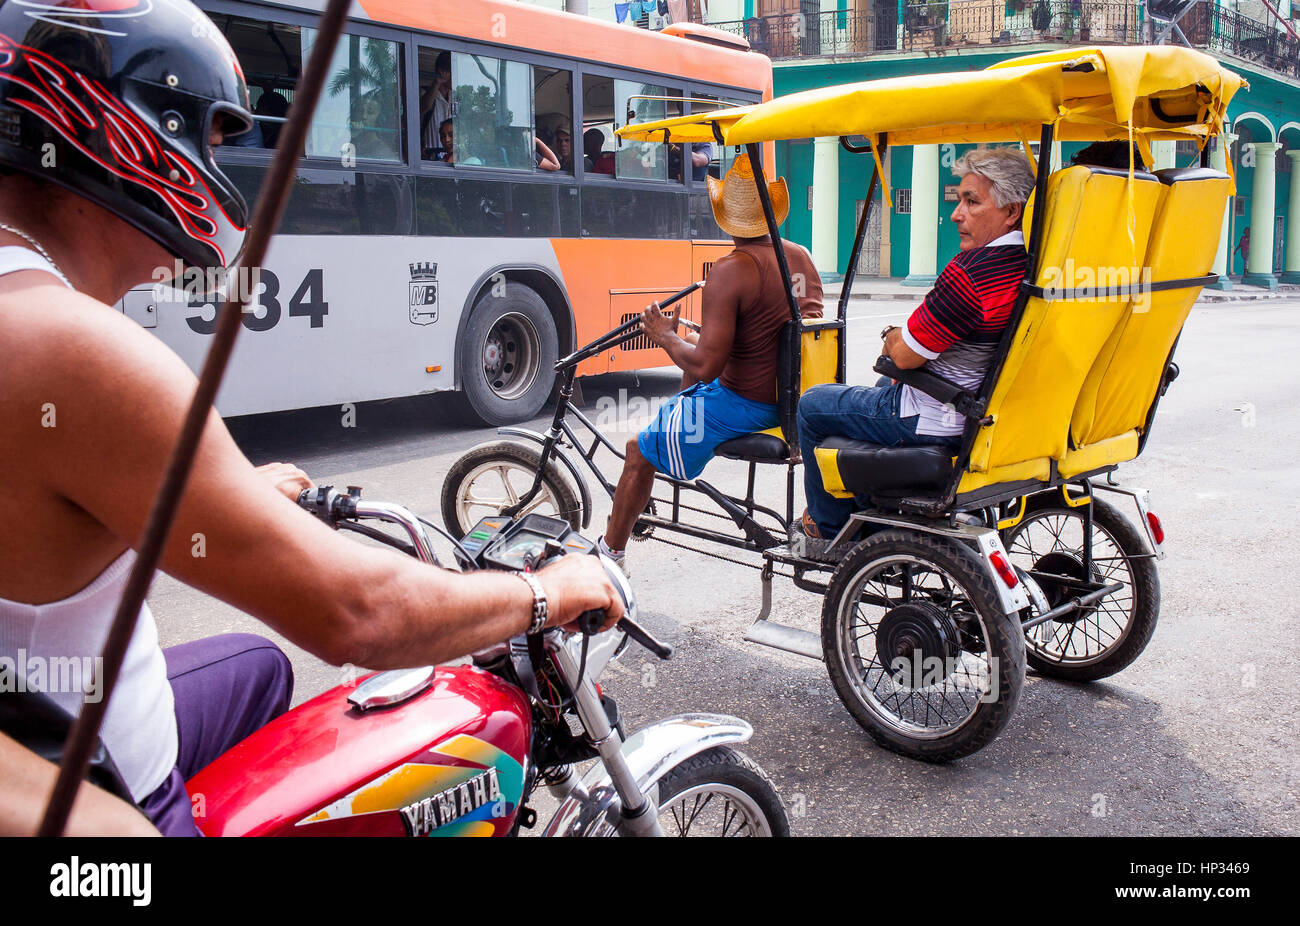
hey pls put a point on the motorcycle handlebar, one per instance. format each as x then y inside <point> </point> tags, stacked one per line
<point>333,507</point>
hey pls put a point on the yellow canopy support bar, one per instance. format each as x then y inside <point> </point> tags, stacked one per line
<point>1166,92</point>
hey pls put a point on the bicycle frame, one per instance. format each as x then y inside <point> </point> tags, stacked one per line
<point>740,511</point>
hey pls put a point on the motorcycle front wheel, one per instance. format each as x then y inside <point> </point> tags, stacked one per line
<point>720,792</point>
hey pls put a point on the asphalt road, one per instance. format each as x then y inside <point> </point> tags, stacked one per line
<point>1198,737</point>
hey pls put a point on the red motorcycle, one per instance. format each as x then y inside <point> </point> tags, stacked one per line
<point>461,750</point>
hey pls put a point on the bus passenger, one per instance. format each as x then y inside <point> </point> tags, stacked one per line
<point>701,155</point>
<point>563,146</point>
<point>271,103</point>
<point>369,137</point>
<point>435,107</point>
<point>545,158</point>
<point>729,371</point>
<point>597,160</point>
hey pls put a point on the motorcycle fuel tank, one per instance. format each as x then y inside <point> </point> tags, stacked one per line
<point>448,761</point>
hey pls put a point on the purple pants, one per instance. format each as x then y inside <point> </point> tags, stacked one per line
<point>225,688</point>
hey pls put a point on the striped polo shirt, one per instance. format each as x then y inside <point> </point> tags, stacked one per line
<point>958,326</point>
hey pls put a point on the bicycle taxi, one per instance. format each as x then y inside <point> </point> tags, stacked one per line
<point>958,569</point>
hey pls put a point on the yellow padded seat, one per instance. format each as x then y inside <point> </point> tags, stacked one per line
<point>1057,341</point>
<point>1106,452</point>
<point>1122,384</point>
<point>819,355</point>
<point>819,360</point>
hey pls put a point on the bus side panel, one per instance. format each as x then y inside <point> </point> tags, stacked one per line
<point>343,319</point>
<point>609,280</point>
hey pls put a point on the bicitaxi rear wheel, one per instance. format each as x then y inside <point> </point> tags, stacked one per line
<point>1094,642</point>
<point>918,645</point>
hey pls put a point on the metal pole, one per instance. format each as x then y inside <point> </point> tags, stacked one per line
<point>270,206</point>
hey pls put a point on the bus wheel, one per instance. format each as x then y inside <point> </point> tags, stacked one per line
<point>507,355</point>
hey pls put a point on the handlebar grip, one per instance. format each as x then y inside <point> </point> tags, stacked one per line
<point>590,622</point>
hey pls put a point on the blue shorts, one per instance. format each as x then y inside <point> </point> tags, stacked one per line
<point>681,439</point>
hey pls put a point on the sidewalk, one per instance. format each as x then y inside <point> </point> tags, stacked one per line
<point>893,288</point>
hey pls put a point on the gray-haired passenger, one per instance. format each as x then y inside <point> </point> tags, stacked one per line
<point>954,333</point>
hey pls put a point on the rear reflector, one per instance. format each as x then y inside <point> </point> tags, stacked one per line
<point>1004,569</point>
<point>1157,531</point>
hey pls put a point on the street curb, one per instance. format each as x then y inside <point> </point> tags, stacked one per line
<point>1285,292</point>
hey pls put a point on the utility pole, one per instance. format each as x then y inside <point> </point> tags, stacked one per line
<point>576,6</point>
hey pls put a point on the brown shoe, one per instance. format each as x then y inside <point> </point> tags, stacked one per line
<point>809,526</point>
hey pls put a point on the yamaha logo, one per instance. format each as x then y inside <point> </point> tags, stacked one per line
<point>426,815</point>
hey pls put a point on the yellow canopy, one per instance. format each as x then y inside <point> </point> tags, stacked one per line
<point>1168,92</point>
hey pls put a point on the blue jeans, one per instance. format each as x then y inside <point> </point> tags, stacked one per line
<point>865,413</point>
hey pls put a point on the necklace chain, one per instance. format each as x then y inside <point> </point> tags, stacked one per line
<point>39,250</point>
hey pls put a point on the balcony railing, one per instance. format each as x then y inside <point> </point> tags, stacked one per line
<point>970,23</point>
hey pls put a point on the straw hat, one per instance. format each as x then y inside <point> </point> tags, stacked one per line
<point>736,206</point>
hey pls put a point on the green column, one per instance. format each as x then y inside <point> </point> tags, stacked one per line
<point>1260,264</point>
<point>922,264</point>
<point>826,205</point>
<point>1219,161</point>
<point>1164,153</point>
<point>1291,265</point>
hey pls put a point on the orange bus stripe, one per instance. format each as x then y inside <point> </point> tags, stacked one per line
<point>535,28</point>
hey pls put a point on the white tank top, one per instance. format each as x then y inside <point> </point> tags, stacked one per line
<point>56,648</point>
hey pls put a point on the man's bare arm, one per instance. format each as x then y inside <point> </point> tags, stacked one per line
<point>729,279</point>
<point>896,349</point>
<point>121,396</point>
<point>25,789</point>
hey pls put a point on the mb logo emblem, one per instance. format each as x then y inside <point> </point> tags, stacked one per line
<point>424,293</point>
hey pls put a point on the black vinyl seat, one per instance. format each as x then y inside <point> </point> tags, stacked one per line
<point>862,468</point>
<point>759,447</point>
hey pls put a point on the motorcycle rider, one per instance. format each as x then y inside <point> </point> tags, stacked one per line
<point>107,176</point>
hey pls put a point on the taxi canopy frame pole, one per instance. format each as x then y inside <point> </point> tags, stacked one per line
<point>755,152</point>
<point>84,733</point>
<point>851,271</point>
<point>788,427</point>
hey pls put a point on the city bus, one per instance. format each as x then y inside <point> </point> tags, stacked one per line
<point>449,228</point>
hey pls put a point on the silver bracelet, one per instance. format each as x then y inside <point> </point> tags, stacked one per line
<point>540,611</point>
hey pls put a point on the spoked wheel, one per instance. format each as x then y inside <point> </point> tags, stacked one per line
<point>493,476</point>
<point>918,646</point>
<point>720,792</point>
<point>1094,642</point>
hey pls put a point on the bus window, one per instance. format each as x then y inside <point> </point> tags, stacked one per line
<point>360,112</point>
<point>720,157</point>
<point>492,106</point>
<point>271,57</point>
<point>435,101</point>
<point>598,125</point>
<point>553,102</point>
<point>635,102</point>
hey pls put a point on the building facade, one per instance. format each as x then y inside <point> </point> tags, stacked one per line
<point>818,43</point>
<point>826,42</point>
